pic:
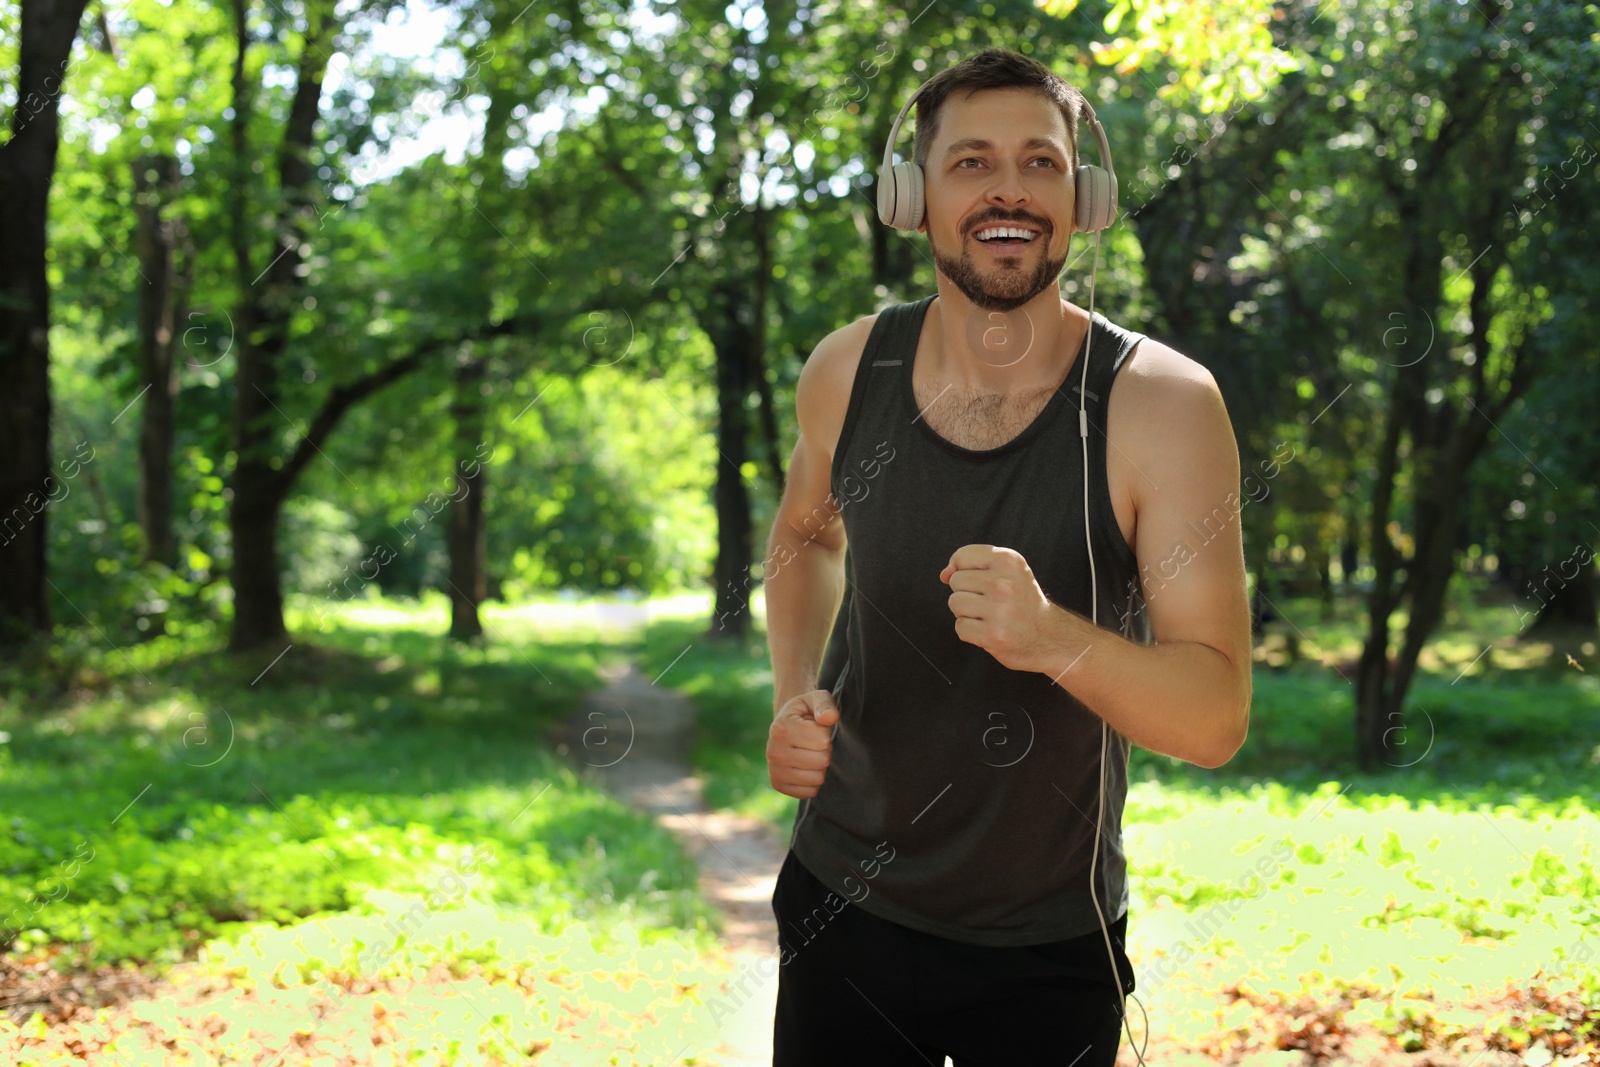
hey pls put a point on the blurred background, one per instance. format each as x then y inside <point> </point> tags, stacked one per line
<point>395,399</point>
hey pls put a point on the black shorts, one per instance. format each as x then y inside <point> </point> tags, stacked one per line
<point>858,989</point>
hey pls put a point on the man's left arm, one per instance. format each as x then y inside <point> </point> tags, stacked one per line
<point>1188,694</point>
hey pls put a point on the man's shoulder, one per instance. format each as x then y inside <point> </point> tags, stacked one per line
<point>840,351</point>
<point>1156,375</point>
<point>844,345</point>
<point>1168,418</point>
<point>1165,412</point>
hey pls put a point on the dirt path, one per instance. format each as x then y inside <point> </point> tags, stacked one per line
<point>634,739</point>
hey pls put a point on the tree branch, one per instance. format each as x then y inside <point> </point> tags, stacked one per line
<point>343,397</point>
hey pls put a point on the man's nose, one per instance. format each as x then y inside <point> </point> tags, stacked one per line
<point>1008,187</point>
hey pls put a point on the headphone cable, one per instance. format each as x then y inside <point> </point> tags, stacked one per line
<point>1094,611</point>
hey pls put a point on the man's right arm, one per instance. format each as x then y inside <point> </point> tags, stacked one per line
<point>807,542</point>
<point>805,580</point>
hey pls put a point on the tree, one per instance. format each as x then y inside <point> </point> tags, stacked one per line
<point>467,534</point>
<point>1455,154</point>
<point>27,164</point>
<point>1439,118</point>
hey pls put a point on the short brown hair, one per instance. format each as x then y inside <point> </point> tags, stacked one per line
<point>994,68</point>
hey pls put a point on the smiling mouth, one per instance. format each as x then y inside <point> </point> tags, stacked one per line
<point>1000,236</point>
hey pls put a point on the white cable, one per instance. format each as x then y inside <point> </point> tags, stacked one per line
<point>1094,613</point>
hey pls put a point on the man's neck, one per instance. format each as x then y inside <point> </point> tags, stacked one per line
<point>1004,352</point>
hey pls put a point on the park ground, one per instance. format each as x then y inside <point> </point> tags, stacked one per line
<point>380,847</point>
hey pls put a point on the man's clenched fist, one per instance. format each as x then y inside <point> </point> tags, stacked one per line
<point>800,743</point>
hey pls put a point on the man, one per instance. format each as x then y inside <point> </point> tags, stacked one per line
<point>955,885</point>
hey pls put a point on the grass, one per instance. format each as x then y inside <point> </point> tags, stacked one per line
<point>180,799</point>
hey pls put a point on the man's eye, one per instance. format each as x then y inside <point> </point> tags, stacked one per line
<point>974,159</point>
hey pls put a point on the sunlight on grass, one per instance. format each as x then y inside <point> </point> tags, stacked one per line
<point>347,766</point>
<point>1420,909</point>
<point>370,831</point>
<point>421,982</point>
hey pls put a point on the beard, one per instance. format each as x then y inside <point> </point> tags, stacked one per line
<point>1003,287</point>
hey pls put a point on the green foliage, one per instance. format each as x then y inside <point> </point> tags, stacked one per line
<point>1217,52</point>
<point>710,154</point>
<point>626,506</point>
<point>604,483</point>
<point>320,547</point>
<point>701,183</point>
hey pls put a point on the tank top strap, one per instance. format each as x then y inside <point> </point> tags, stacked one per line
<point>891,345</point>
<point>895,333</point>
<point>1109,349</point>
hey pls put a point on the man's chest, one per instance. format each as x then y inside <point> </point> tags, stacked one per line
<point>979,421</point>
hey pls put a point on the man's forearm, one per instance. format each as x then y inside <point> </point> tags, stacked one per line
<point>803,600</point>
<point>1178,698</point>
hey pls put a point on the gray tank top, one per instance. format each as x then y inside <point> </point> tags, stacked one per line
<point>962,795</point>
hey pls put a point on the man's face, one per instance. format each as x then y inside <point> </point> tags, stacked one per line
<point>1000,157</point>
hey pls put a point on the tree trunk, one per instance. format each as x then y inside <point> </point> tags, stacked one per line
<point>1430,569</point>
<point>257,587</point>
<point>1322,560</point>
<point>262,479</point>
<point>262,319</point>
<point>27,164</point>
<point>1374,698</point>
<point>1446,439</point>
<point>155,184</point>
<point>731,572</point>
<point>467,533</point>
<point>1350,550</point>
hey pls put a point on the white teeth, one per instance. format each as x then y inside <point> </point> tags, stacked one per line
<point>1004,231</point>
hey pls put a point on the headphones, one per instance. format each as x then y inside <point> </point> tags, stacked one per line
<point>901,203</point>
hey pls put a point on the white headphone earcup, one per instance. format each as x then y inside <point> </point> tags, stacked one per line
<point>1097,199</point>
<point>885,195</point>
<point>900,196</point>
